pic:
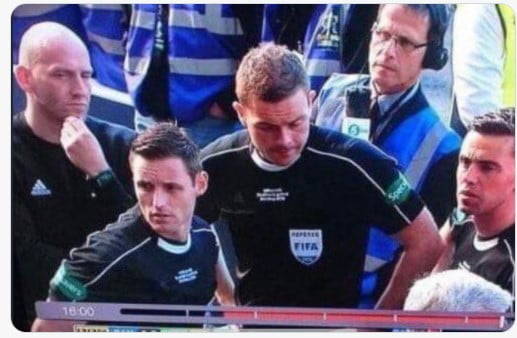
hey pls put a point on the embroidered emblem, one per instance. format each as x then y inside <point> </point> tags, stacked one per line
<point>398,191</point>
<point>306,245</point>
<point>39,189</point>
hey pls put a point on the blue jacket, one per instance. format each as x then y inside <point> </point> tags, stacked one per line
<point>205,43</point>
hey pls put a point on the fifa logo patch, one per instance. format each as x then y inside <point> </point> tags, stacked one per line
<point>306,245</point>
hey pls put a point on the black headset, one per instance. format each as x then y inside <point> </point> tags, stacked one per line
<point>436,55</point>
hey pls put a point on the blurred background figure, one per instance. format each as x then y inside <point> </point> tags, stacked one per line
<point>324,33</point>
<point>483,58</point>
<point>180,63</point>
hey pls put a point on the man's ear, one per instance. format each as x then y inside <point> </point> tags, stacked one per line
<point>239,108</point>
<point>22,75</point>
<point>201,182</point>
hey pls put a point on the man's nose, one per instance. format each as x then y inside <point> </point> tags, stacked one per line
<point>159,198</point>
<point>285,137</point>
<point>80,86</point>
<point>470,175</point>
<point>389,47</point>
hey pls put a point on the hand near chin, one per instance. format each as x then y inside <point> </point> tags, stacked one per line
<point>82,147</point>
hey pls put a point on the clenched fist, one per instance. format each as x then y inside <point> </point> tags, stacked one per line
<point>82,147</point>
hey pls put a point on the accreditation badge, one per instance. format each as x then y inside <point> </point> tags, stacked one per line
<point>356,127</point>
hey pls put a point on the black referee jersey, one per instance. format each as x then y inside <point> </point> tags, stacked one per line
<point>300,232</point>
<point>491,258</point>
<point>127,262</point>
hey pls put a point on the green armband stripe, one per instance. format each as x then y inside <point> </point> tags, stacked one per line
<point>68,285</point>
<point>398,192</point>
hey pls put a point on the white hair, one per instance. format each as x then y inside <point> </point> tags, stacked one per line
<point>457,290</point>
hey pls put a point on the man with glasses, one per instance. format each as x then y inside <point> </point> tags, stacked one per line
<point>389,109</point>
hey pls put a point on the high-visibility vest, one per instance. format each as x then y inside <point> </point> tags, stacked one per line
<point>204,44</point>
<point>508,22</point>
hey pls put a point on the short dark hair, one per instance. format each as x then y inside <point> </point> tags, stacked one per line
<point>495,123</point>
<point>270,73</point>
<point>165,140</point>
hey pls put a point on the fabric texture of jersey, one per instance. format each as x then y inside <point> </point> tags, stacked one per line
<point>491,258</point>
<point>127,262</point>
<point>300,233</point>
<point>55,207</point>
<point>425,149</point>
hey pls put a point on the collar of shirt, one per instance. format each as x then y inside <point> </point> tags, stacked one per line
<point>265,165</point>
<point>174,247</point>
<point>386,102</point>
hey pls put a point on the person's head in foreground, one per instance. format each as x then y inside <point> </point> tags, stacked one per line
<point>406,39</point>
<point>54,71</point>
<point>486,172</point>
<point>167,177</point>
<point>457,291</point>
<point>274,102</point>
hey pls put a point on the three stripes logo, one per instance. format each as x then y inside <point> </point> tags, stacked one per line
<point>39,189</point>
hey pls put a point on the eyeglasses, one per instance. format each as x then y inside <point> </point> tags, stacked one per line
<point>382,37</point>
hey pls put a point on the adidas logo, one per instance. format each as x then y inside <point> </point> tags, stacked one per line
<point>39,189</point>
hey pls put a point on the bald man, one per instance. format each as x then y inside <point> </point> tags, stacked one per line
<point>70,172</point>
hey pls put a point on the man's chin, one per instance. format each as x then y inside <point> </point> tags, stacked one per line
<point>467,209</point>
<point>79,111</point>
<point>80,115</point>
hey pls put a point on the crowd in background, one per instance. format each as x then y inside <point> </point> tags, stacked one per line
<point>184,64</point>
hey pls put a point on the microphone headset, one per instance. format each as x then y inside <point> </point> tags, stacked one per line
<point>436,55</point>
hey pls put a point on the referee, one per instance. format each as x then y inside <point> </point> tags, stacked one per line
<point>298,199</point>
<point>157,251</point>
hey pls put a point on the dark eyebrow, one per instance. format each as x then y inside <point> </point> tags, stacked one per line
<point>486,162</point>
<point>263,124</point>
<point>482,162</point>
<point>300,118</point>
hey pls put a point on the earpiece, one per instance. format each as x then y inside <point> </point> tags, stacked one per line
<point>436,55</point>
